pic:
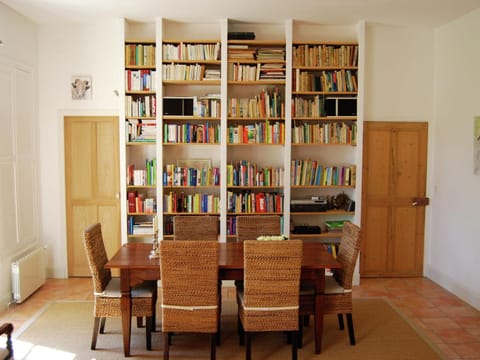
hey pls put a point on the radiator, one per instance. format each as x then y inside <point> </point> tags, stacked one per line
<point>28,274</point>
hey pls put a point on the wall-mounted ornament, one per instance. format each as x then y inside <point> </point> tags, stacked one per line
<point>81,87</point>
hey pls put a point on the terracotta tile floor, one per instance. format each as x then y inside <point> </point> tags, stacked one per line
<point>445,319</point>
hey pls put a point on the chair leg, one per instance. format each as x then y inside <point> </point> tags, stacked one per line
<point>248,346</point>
<point>219,313</point>
<point>300,330</point>
<point>213,346</point>
<point>96,324</point>
<point>102,325</point>
<point>340,321</point>
<point>241,332</point>
<point>154,305</point>
<point>166,341</point>
<point>148,330</point>
<point>294,345</point>
<point>351,333</point>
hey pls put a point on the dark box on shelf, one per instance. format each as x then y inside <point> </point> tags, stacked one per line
<point>179,106</point>
<point>307,206</point>
<point>341,106</point>
<point>306,229</point>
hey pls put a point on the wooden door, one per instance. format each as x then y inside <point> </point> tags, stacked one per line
<point>92,185</point>
<point>393,198</point>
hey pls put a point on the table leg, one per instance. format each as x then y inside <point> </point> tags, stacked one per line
<point>126,307</point>
<point>319,300</point>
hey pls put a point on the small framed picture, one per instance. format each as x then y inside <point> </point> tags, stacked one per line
<point>81,87</point>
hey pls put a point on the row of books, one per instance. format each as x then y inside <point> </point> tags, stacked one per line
<point>332,249</point>
<point>139,203</point>
<point>250,52</point>
<point>186,51</point>
<point>258,72</point>
<point>268,103</point>
<point>174,202</point>
<point>188,176</point>
<point>311,173</point>
<point>142,177</point>
<point>207,106</point>
<point>246,173</point>
<point>140,80</point>
<point>308,107</point>
<point>327,81</point>
<point>325,133</point>
<point>263,132</point>
<point>249,202</point>
<point>325,55</point>
<point>143,105</point>
<point>135,227</point>
<point>188,133</point>
<point>140,130</point>
<point>140,55</point>
<point>188,72</point>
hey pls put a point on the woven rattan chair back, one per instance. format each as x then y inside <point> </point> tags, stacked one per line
<point>107,290</point>
<point>97,257</point>
<point>272,280</point>
<point>251,227</point>
<point>269,300</point>
<point>195,227</point>
<point>190,289</point>
<point>347,255</point>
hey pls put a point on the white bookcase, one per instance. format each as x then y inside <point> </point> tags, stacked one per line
<point>223,93</point>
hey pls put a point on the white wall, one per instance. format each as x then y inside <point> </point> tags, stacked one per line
<point>18,160</point>
<point>455,241</point>
<point>398,73</point>
<point>66,50</point>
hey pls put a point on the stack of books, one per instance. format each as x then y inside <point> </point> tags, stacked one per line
<point>334,226</point>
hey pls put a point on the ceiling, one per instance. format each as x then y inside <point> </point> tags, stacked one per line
<point>428,13</point>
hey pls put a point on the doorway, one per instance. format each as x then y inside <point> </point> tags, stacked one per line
<point>393,198</point>
<point>91,185</point>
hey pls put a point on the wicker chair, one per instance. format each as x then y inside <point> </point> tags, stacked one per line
<point>195,227</point>
<point>338,288</point>
<point>251,227</point>
<point>269,300</point>
<point>6,352</point>
<point>107,289</point>
<point>190,292</point>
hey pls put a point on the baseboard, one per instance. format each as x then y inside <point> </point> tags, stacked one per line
<point>469,295</point>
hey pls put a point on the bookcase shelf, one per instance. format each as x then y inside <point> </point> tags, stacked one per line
<point>256,117</point>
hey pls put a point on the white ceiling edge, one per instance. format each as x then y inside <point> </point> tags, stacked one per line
<point>421,13</point>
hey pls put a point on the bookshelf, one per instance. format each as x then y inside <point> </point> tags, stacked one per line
<point>140,129</point>
<point>256,73</point>
<point>191,120</point>
<point>243,126</point>
<point>324,125</point>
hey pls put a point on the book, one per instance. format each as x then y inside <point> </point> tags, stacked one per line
<point>334,226</point>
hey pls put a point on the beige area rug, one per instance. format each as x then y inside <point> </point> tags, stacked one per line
<point>62,330</point>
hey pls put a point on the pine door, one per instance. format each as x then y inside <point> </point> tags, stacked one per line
<point>92,185</point>
<point>393,198</point>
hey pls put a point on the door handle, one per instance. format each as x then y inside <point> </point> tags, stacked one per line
<point>420,201</point>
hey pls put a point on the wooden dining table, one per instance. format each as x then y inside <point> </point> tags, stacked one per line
<point>135,266</point>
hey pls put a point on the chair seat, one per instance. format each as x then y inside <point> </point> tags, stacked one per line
<point>112,290</point>
<point>332,286</point>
